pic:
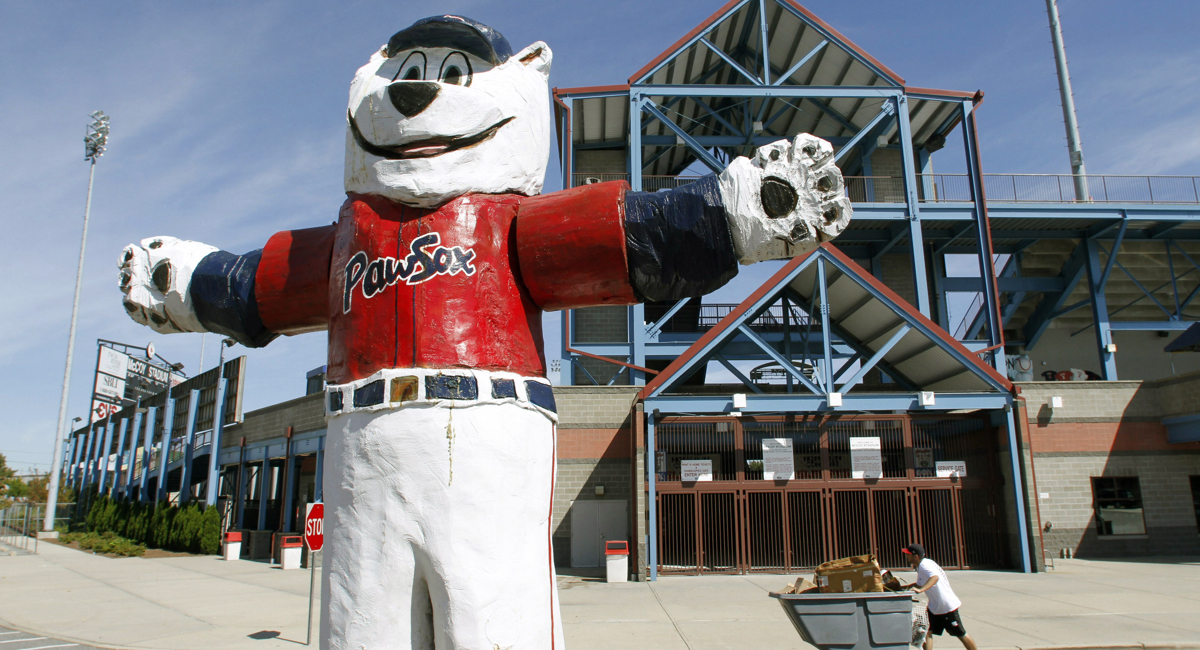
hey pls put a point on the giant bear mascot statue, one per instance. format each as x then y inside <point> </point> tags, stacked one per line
<point>441,425</point>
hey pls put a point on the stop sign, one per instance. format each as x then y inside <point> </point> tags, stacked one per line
<point>314,526</point>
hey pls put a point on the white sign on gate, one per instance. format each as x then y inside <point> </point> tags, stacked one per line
<point>866,459</point>
<point>779,464</point>
<point>695,470</point>
<point>951,469</point>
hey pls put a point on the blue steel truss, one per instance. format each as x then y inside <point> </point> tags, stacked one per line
<point>919,225</point>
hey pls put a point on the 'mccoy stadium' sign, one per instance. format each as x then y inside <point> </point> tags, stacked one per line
<point>122,379</point>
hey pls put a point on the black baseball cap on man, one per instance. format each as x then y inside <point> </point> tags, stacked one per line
<point>454,32</point>
<point>914,549</point>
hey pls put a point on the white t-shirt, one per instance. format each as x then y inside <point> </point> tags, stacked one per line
<point>941,597</point>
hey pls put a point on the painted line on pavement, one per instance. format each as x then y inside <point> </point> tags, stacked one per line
<point>47,647</point>
<point>33,638</point>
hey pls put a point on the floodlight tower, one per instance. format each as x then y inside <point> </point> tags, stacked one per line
<point>1078,171</point>
<point>94,144</point>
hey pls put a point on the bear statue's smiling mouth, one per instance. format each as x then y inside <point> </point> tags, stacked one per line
<point>426,148</point>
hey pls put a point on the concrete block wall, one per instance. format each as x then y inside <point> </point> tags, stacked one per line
<point>887,162</point>
<point>593,447</point>
<point>303,414</point>
<point>1112,429</point>
<point>898,276</point>
<point>1171,527</point>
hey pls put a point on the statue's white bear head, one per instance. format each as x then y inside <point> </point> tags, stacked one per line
<point>446,109</point>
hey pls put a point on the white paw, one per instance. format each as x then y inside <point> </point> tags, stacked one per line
<point>156,277</point>
<point>785,201</point>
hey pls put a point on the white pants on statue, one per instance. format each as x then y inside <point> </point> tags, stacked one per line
<point>437,531</point>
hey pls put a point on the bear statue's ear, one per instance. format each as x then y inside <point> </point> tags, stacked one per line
<point>536,56</point>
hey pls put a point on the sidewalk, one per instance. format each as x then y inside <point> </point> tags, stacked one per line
<point>203,603</point>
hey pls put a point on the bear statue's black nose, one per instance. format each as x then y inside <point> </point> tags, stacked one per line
<point>412,97</point>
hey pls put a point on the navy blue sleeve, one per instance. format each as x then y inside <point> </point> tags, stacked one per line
<point>223,297</point>
<point>678,241</point>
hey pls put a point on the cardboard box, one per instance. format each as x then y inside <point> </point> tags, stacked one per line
<point>857,574</point>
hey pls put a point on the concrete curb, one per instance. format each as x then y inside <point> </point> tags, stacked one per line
<point>58,637</point>
<point>1118,646</point>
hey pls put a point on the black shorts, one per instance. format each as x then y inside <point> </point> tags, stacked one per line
<point>948,622</point>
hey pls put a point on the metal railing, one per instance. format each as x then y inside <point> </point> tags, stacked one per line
<point>701,318</point>
<point>1000,188</point>
<point>20,523</point>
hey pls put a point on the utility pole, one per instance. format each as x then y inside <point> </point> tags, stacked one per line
<point>94,144</point>
<point>1068,105</point>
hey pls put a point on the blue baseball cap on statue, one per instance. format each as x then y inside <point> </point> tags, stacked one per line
<point>454,32</point>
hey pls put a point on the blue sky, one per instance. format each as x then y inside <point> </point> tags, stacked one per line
<point>228,125</point>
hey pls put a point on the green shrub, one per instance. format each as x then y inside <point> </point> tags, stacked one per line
<point>192,528</point>
<point>210,532</point>
<point>106,542</point>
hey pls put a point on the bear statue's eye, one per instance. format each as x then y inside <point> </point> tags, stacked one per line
<point>456,69</point>
<point>413,68</point>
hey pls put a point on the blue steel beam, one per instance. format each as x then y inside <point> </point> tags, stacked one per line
<point>826,350</point>
<point>86,458</point>
<point>117,471</point>
<point>189,440</point>
<point>987,268</point>
<point>1051,303</point>
<point>151,422</point>
<point>105,448</point>
<point>818,92</point>
<point>804,403</point>
<point>764,43</point>
<point>737,373</point>
<point>799,64</point>
<point>1100,309</point>
<point>884,112</point>
<point>164,448</point>
<point>717,116</point>
<point>1006,283</point>
<point>218,436</point>
<point>652,499</point>
<point>1144,289</point>
<point>72,461</point>
<point>876,358</point>
<point>784,363</point>
<point>133,445</point>
<point>1015,458</point>
<point>264,483</point>
<point>916,237</point>
<point>836,331</point>
<point>731,63</point>
<point>1151,325</point>
<point>653,329</point>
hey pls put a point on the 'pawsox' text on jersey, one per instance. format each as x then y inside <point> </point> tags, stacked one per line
<point>420,265</point>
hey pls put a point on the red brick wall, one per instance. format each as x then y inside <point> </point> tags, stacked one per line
<point>593,443</point>
<point>1103,436</point>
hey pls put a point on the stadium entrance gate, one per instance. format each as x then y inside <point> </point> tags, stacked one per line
<point>739,523</point>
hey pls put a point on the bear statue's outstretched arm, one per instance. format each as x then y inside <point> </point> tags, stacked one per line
<point>602,244</point>
<point>175,285</point>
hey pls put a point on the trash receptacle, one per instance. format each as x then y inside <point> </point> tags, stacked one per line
<point>232,546</point>
<point>290,548</point>
<point>616,561</point>
<point>862,621</point>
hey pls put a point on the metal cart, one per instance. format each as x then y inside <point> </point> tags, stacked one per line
<point>864,621</point>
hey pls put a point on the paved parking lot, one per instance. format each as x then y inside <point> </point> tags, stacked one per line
<point>61,597</point>
<point>15,640</point>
